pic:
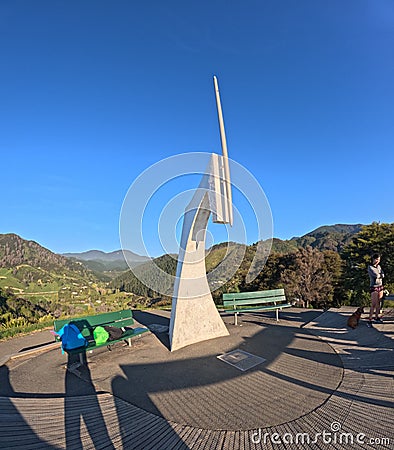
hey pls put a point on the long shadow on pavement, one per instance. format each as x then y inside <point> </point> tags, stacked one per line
<point>77,408</point>
<point>200,390</point>
<point>149,320</point>
<point>192,387</point>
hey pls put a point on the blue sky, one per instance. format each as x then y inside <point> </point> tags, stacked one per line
<point>94,92</point>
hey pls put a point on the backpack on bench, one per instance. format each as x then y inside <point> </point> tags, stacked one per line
<point>71,337</point>
<point>114,333</point>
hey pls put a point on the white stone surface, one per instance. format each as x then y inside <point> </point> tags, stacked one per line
<point>194,316</point>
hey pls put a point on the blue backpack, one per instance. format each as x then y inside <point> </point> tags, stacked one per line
<point>71,337</point>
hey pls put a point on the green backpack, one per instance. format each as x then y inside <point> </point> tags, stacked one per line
<point>100,335</point>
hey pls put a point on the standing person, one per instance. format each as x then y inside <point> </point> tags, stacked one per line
<point>376,275</point>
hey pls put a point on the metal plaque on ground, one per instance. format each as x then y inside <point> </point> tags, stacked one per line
<point>241,360</point>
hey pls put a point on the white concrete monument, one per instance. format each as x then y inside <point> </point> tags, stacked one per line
<point>194,316</point>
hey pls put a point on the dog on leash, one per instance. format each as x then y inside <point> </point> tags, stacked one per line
<point>353,320</point>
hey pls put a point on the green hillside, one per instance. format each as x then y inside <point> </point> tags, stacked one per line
<point>130,282</point>
<point>311,267</point>
<point>27,268</point>
<point>222,261</point>
<point>328,237</point>
<point>279,246</point>
<point>37,285</point>
<point>322,268</point>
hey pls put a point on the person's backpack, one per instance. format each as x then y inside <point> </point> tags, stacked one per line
<point>71,337</point>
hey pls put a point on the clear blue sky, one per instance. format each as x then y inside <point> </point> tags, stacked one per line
<point>94,92</point>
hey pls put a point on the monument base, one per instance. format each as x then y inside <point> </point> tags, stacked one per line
<point>194,320</point>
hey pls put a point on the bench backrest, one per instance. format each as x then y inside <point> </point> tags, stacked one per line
<point>86,324</point>
<point>253,298</point>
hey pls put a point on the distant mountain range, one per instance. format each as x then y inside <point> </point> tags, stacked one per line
<point>222,258</point>
<point>103,262</point>
<point>327,237</point>
<point>98,255</point>
<point>26,266</point>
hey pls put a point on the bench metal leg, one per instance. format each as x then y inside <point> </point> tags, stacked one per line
<point>236,319</point>
<point>81,359</point>
<point>277,315</point>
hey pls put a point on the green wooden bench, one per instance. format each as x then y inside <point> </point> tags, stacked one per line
<point>119,319</point>
<point>239,302</point>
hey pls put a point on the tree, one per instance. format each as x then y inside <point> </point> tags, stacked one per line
<point>310,275</point>
<point>374,238</point>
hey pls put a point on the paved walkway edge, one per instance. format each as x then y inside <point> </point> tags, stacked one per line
<point>30,352</point>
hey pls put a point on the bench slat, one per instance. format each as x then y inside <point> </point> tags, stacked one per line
<point>250,295</point>
<point>114,318</point>
<point>253,301</point>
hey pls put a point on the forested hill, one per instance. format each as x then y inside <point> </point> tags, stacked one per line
<point>331,237</point>
<point>37,285</point>
<point>30,262</point>
<point>328,237</point>
<point>15,251</point>
<point>26,266</point>
<point>324,267</point>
